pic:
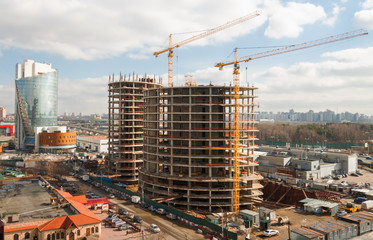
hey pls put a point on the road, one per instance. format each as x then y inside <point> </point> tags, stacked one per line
<point>170,229</point>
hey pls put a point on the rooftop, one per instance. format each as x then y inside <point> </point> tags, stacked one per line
<point>30,200</point>
<point>318,203</point>
<point>309,233</point>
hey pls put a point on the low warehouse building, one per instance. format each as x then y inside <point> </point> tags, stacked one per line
<point>304,233</point>
<point>364,221</point>
<point>318,206</point>
<point>336,230</point>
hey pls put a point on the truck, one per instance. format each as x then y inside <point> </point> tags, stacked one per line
<point>351,207</point>
<point>85,178</point>
<point>135,199</point>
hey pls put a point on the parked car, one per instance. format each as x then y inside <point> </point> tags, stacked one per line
<point>360,199</point>
<point>153,209</point>
<point>161,211</point>
<point>341,213</point>
<point>155,228</point>
<point>359,173</point>
<point>137,219</point>
<point>111,196</point>
<point>122,211</point>
<point>354,174</point>
<point>112,205</point>
<point>171,216</point>
<point>270,232</point>
<point>130,215</point>
<point>145,205</point>
<point>119,223</point>
<point>124,227</point>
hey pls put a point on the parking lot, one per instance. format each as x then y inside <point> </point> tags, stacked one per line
<point>169,229</point>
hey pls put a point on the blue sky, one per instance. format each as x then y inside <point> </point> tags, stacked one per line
<point>89,40</point>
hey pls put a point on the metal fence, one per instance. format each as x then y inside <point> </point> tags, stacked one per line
<point>306,144</point>
<point>178,213</point>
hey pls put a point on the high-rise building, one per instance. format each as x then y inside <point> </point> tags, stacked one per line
<point>2,113</point>
<point>126,116</point>
<point>187,147</point>
<point>36,100</point>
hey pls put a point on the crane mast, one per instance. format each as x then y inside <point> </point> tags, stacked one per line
<point>236,81</point>
<point>171,46</point>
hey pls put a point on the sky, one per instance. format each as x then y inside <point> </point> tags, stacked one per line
<point>89,40</point>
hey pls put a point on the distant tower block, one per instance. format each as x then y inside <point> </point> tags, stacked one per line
<point>126,125</point>
<point>187,131</point>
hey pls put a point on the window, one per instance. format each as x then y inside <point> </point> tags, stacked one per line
<point>27,235</point>
<point>78,232</point>
<point>49,237</point>
<point>15,237</point>
<point>92,229</point>
<point>96,229</point>
<point>58,236</point>
<point>53,236</point>
<point>62,235</point>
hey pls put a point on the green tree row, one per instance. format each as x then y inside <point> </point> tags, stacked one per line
<point>316,132</point>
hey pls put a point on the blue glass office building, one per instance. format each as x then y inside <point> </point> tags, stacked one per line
<point>36,101</point>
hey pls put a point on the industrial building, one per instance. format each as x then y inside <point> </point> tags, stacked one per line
<point>188,147</point>
<point>305,164</point>
<point>126,125</point>
<point>94,143</point>
<point>54,140</point>
<point>36,100</point>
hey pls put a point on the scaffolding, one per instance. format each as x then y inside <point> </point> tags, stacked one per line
<point>125,125</point>
<point>188,147</point>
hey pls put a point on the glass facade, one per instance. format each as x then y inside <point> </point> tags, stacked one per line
<point>39,96</point>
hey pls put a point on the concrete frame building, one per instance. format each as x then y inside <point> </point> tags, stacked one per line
<point>36,100</point>
<point>187,131</point>
<point>126,125</point>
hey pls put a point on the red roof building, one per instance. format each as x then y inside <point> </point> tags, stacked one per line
<point>82,223</point>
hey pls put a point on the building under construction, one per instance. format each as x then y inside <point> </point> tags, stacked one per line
<point>126,125</point>
<point>188,142</point>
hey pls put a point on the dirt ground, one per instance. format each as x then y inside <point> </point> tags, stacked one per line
<point>299,218</point>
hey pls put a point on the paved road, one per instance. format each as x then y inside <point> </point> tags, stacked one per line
<point>170,229</point>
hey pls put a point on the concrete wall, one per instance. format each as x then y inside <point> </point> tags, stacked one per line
<point>308,165</point>
<point>274,160</point>
<point>330,168</point>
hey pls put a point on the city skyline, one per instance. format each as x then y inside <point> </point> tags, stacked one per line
<point>89,42</point>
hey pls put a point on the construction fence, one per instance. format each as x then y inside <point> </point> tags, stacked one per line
<point>311,145</point>
<point>184,217</point>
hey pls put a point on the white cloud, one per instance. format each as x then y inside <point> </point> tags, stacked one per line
<point>98,29</point>
<point>89,95</point>
<point>331,20</point>
<point>365,16</point>
<point>343,82</point>
<point>288,20</point>
<point>367,4</point>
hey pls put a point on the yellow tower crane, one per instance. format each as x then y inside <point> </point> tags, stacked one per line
<point>236,81</point>
<point>171,46</point>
